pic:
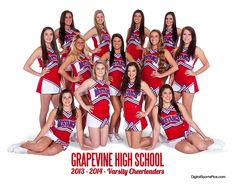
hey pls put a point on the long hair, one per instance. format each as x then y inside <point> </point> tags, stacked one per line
<point>106,75</point>
<point>126,79</point>
<point>112,52</point>
<point>192,45</point>
<point>174,28</point>
<point>133,26</point>
<point>173,101</point>
<point>99,30</point>
<point>62,25</point>
<point>59,112</point>
<point>44,48</point>
<point>160,49</point>
<point>74,51</point>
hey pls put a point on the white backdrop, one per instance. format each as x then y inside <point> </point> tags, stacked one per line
<point>21,25</point>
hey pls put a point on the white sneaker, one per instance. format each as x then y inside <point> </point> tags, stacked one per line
<point>118,137</point>
<point>217,145</point>
<point>112,138</point>
<point>13,146</point>
<point>20,150</point>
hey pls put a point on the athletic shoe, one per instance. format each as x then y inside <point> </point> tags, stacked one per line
<point>20,150</point>
<point>118,137</point>
<point>112,138</point>
<point>13,146</point>
<point>217,145</point>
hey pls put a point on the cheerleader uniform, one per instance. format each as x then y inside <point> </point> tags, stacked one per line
<point>151,63</point>
<point>103,44</point>
<point>175,127</point>
<point>116,71</point>
<point>182,82</point>
<point>61,130</point>
<point>132,44</point>
<point>99,98</point>
<point>50,82</point>
<point>132,105</point>
<point>169,43</point>
<point>81,67</point>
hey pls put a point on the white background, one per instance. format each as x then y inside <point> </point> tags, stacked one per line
<point>213,108</point>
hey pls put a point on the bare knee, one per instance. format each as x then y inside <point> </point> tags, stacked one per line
<point>202,146</point>
<point>39,147</point>
<point>188,149</point>
<point>135,146</point>
<point>54,151</point>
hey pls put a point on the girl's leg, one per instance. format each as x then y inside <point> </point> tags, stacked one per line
<point>137,141</point>
<point>198,142</point>
<point>128,137</point>
<point>94,137</point>
<point>45,102</point>
<point>40,146</point>
<point>187,100</point>
<point>55,100</point>
<point>147,102</point>
<point>115,100</point>
<point>84,112</point>
<point>53,149</point>
<point>104,135</point>
<point>186,147</point>
<point>177,96</point>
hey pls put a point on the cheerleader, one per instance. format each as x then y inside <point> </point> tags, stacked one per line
<point>117,63</point>
<point>65,35</point>
<point>100,36</point>
<point>49,82</point>
<point>132,96</point>
<point>98,109</point>
<point>182,132</point>
<point>184,81</point>
<point>136,36</point>
<point>81,69</point>
<point>54,136</point>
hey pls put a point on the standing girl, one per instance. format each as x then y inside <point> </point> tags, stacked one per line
<point>117,63</point>
<point>98,110</point>
<point>184,80</point>
<point>136,36</point>
<point>177,123</point>
<point>65,34</point>
<point>132,92</point>
<point>155,66</point>
<point>99,35</point>
<point>49,82</point>
<point>54,136</point>
<point>81,69</point>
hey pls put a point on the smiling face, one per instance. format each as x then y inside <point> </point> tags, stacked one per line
<point>167,95</point>
<point>187,37</point>
<point>169,20</point>
<point>80,44</point>
<point>154,38</point>
<point>100,71</point>
<point>68,19</point>
<point>48,36</point>
<point>131,73</point>
<point>100,18</point>
<point>137,18</point>
<point>117,43</point>
<point>67,99</point>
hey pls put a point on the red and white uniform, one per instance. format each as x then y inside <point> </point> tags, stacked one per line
<point>68,39</point>
<point>133,42</point>
<point>182,82</point>
<point>169,43</point>
<point>151,63</point>
<point>50,82</point>
<point>132,105</point>
<point>99,98</point>
<point>61,130</point>
<point>116,71</point>
<point>81,67</point>
<point>103,44</point>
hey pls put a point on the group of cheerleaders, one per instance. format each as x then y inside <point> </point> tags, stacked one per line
<point>126,78</point>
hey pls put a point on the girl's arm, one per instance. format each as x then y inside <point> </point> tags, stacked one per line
<point>105,57</point>
<point>129,57</point>
<point>79,130</point>
<point>35,55</point>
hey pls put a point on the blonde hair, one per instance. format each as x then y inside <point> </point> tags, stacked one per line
<point>106,75</point>
<point>99,31</point>
<point>74,51</point>
<point>161,50</point>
